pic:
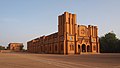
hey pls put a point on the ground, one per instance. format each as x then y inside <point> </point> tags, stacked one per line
<point>27,60</point>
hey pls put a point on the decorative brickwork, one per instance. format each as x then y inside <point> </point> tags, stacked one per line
<point>70,38</point>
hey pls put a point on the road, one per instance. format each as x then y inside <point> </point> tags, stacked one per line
<point>27,60</point>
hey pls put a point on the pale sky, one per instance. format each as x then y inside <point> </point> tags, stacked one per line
<point>23,20</point>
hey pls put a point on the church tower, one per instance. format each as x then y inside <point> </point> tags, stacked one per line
<point>67,33</point>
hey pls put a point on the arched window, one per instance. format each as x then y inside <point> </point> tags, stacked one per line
<point>62,47</point>
<point>83,48</point>
<point>79,49</point>
<point>88,48</point>
<point>55,47</point>
<point>41,48</point>
<point>50,47</point>
<point>78,46</point>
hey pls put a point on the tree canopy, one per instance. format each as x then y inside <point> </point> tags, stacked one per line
<point>109,43</point>
<point>2,48</point>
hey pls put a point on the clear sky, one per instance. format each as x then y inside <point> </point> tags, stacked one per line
<point>23,20</point>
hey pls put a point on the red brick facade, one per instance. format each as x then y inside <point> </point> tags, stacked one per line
<point>70,38</point>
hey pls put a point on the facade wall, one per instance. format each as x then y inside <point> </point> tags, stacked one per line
<point>70,38</point>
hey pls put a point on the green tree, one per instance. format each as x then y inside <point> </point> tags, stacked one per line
<point>109,43</point>
<point>2,48</point>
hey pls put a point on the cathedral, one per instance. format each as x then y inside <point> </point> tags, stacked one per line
<point>71,38</point>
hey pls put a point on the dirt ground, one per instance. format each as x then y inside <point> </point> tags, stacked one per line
<point>27,60</point>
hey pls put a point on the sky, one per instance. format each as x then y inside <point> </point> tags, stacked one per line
<point>24,20</point>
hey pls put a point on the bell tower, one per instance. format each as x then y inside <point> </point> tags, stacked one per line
<point>67,32</point>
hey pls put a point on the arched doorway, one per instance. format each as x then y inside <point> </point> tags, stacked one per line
<point>88,48</point>
<point>71,49</point>
<point>83,48</point>
<point>79,49</point>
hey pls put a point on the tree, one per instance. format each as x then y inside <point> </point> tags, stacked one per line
<point>109,43</point>
<point>2,48</point>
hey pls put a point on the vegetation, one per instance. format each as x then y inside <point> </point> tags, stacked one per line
<point>109,43</point>
<point>2,48</point>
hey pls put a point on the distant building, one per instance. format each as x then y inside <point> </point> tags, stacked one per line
<point>71,38</point>
<point>15,47</point>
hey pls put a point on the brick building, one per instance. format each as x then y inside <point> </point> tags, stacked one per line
<point>71,38</point>
<point>17,47</point>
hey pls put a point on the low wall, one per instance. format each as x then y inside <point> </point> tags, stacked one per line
<point>5,51</point>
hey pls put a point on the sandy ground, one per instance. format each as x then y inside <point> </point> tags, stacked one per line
<point>25,60</point>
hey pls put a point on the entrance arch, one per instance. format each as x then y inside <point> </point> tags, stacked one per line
<point>88,48</point>
<point>71,49</point>
<point>78,48</point>
<point>83,48</point>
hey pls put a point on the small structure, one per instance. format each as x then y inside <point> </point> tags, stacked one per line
<point>17,47</point>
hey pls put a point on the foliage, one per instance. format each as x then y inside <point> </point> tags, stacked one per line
<point>2,48</point>
<point>109,43</point>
